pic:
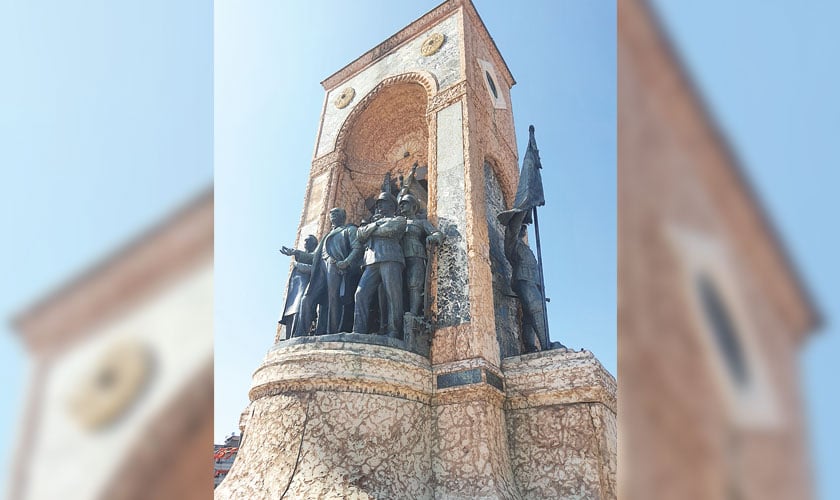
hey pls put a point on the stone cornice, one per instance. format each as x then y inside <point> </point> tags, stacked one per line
<point>324,162</point>
<point>557,377</point>
<point>404,35</point>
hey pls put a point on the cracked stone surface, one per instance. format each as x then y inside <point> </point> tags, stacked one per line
<point>330,420</point>
<point>562,430</point>
<point>453,292</point>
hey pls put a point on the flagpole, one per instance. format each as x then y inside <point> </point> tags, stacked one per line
<point>542,282</point>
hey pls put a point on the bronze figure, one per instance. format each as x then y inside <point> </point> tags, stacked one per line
<point>525,282</point>
<point>298,280</point>
<point>383,264</point>
<point>420,236</point>
<point>332,264</point>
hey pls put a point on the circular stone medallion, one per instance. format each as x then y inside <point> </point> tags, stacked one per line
<point>432,44</point>
<point>112,384</point>
<point>345,97</point>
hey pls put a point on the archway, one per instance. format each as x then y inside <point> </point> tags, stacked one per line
<point>388,133</point>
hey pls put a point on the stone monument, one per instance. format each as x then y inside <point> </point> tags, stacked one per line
<point>449,404</point>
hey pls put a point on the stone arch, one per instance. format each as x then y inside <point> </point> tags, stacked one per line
<point>424,78</point>
<point>386,132</point>
<point>508,178</point>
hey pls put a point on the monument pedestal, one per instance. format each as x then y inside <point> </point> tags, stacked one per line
<point>561,425</point>
<point>333,419</point>
<point>336,420</point>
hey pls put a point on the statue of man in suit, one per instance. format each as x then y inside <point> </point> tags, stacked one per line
<point>334,262</point>
<point>298,280</point>
<point>383,264</point>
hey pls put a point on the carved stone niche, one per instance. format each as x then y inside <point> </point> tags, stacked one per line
<point>387,133</point>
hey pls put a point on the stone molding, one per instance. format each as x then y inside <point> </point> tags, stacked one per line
<point>446,97</point>
<point>464,364</point>
<point>323,163</point>
<point>339,366</point>
<point>407,34</point>
<point>474,393</point>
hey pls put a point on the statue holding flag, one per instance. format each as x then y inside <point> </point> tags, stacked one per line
<point>527,280</point>
<point>525,283</point>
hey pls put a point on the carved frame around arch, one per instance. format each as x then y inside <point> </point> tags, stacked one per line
<point>424,78</point>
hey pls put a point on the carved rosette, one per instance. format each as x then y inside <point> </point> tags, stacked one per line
<point>432,44</point>
<point>345,97</point>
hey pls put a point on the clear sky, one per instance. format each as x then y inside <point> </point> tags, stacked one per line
<point>269,59</point>
<point>105,127</point>
<point>770,75</point>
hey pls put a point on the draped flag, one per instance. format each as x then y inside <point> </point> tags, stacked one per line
<point>529,192</point>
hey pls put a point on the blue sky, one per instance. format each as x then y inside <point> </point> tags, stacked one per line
<point>268,105</point>
<point>769,74</point>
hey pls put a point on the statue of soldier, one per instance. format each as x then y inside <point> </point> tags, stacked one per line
<point>525,282</point>
<point>418,234</point>
<point>383,263</point>
<point>333,262</point>
<point>410,185</point>
<point>298,280</point>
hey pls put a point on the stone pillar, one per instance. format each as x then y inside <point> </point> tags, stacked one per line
<point>470,453</point>
<point>321,193</point>
<point>561,416</point>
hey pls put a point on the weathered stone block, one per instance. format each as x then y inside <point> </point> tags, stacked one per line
<point>561,412</point>
<point>346,420</point>
<point>332,421</point>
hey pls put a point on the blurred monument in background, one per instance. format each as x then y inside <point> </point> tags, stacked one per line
<point>120,397</point>
<point>448,406</point>
<point>712,315</point>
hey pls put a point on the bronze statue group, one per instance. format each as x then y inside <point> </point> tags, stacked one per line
<point>341,275</point>
<point>386,259</point>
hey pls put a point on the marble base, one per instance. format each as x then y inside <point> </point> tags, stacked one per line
<point>417,337</point>
<point>336,419</point>
<point>561,425</point>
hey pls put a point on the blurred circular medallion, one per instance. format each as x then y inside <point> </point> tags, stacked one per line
<point>112,384</point>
